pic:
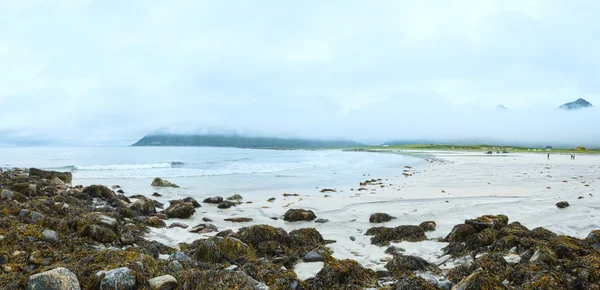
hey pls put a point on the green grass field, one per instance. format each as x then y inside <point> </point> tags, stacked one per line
<point>480,148</point>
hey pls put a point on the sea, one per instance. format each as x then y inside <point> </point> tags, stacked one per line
<point>207,171</point>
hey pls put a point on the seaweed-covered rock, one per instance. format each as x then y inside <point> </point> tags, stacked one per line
<point>102,192</point>
<point>235,197</point>
<point>273,275</point>
<point>180,209</point>
<point>267,240</point>
<point>195,279</point>
<point>99,227</point>
<point>562,204</point>
<point>204,228</point>
<point>428,226</point>
<point>306,238</point>
<point>155,222</point>
<point>383,236</point>
<point>67,177</point>
<point>343,274</point>
<point>226,204</point>
<point>118,279</point>
<point>412,282</point>
<point>405,265</point>
<point>144,205</point>
<point>480,279</point>
<point>488,221</point>
<point>594,239</point>
<point>294,215</point>
<point>159,182</point>
<point>56,279</point>
<point>166,282</point>
<point>221,250</point>
<point>193,201</point>
<point>7,194</point>
<point>214,200</point>
<point>380,217</point>
<point>460,233</point>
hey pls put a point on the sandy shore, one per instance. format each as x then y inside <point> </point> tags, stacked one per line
<point>453,187</point>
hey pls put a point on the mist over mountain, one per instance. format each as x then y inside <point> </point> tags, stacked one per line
<point>576,105</point>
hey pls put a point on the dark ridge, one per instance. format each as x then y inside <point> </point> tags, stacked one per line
<point>576,105</point>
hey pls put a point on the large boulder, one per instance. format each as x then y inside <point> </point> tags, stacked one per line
<point>267,240</point>
<point>159,182</point>
<point>306,238</point>
<point>380,217</point>
<point>118,279</point>
<point>67,177</point>
<point>294,215</point>
<point>144,205</point>
<point>214,199</point>
<point>56,279</point>
<point>220,250</point>
<point>343,274</point>
<point>383,236</point>
<point>180,209</point>
<point>193,201</point>
<point>100,191</point>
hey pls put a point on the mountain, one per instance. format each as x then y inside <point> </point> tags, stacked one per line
<point>240,141</point>
<point>501,107</point>
<point>579,104</point>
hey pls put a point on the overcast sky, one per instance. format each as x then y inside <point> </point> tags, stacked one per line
<point>103,72</point>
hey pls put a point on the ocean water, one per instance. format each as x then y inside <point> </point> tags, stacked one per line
<point>204,171</point>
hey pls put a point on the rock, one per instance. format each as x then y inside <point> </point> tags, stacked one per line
<point>214,199</point>
<point>178,225</point>
<point>294,215</point>
<point>321,221</point>
<point>343,274</point>
<point>57,182</point>
<point>158,182</point>
<point>3,259</point>
<point>235,197</point>
<point>50,236</point>
<point>66,177</point>
<point>480,279</point>
<point>204,228</point>
<point>156,194</point>
<point>127,239</point>
<point>166,282</point>
<point>179,256</point>
<point>175,266</point>
<point>155,222</point>
<point>99,191</point>
<point>193,201</point>
<point>221,279</point>
<point>460,233</point>
<point>594,239</point>
<point>562,204</point>
<point>512,258</point>
<point>161,216</point>
<point>405,265</point>
<point>488,221</point>
<point>206,219</point>
<point>382,235</point>
<point>118,279</point>
<point>413,282</point>
<point>307,238</point>
<point>225,204</point>
<point>267,240</point>
<point>101,228</point>
<point>180,209</point>
<point>56,279</point>
<point>220,250</point>
<point>272,199</point>
<point>144,205</point>
<point>352,238</point>
<point>35,216</point>
<point>7,194</point>
<point>120,191</point>
<point>239,220</point>
<point>314,256</point>
<point>39,258</point>
<point>380,218</point>
<point>428,226</point>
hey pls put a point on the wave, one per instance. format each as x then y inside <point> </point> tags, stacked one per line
<point>74,168</point>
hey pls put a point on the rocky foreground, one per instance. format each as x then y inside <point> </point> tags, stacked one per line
<point>57,236</point>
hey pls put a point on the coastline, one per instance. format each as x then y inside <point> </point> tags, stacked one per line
<point>453,187</point>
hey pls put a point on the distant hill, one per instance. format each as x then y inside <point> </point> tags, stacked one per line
<point>240,141</point>
<point>576,105</point>
<point>501,107</point>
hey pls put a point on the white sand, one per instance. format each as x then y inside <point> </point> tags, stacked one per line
<point>460,186</point>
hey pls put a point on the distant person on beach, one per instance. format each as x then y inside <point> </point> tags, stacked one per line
<point>548,156</point>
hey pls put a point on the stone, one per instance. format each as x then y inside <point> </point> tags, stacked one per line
<point>50,236</point>
<point>179,256</point>
<point>428,226</point>
<point>235,197</point>
<point>562,204</point>
<point>225,204</point>
<point>294,215</point>
<point>166,282</point>
<point>239,220</point>
<point>272,199</point>
<point>178,225</point>
<point>120,191</point>
<point>56,279</point>
<point>321,221</point>
<point>214,199</point>
<point>176,266</point>
<point>314,256</point>
<point>480,279</point>
<point>161,216</point>
<point>99,191</point>
<point>118,279</point>
<point>7,194</point>
<point>380,217</point>
<point>35,216</point>
<point>144,206</point>
<point>352,238</point>
<point>383,236</point>
<point>594,239</point>
<point>204,228</point>
<point>488,221</point>
<point>156,194</point>
<point>66,177</point>
<point>195,203</point>
<point>225,233</point>
<point>343,274</point>
<point>180,209</point>
<point>57,182</point>
<point>405,265</point>
<point>127,239</point>
<point>158,182</point>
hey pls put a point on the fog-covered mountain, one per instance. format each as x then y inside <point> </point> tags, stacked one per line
<point>576,105</point>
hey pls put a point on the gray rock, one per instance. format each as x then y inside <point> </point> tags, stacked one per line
<point>562,204</point>
<point>3,259</point>
<point>321,221</point>
<point>444,285</point>
<point>214,199</point>
<point>118,279</point>
<point>166,282</point>
<point>179,256</point>
<point>7,194</point>
<point>314,256</point>
<point>50,236</point>
<point>127,239</point>
<point>352,238</point>
<point>24,213</point>
<point>66,177</point>
<point>594,239</point>
<point>176,266</point>
<point>36,216</point>
<point>108,221</point>
<point>57,279</point>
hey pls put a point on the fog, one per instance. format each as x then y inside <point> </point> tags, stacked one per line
<point>106,73</point>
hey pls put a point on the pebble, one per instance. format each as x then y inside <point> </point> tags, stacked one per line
<point>352,238</point>
<point>231,268</point>
<point>50,236</point>
<point>321,221</point>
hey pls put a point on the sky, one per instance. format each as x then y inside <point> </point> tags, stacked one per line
<point>105,72</point>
